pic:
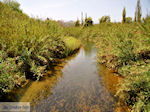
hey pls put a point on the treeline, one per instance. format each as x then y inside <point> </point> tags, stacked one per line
<point>124,48</point>
<point>87,21</point>
<point>107,19</point>
<point>138,14</point>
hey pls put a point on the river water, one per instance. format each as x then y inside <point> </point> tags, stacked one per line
<point>76,84</point>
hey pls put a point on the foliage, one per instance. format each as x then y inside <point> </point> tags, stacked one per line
<point>104,19</point>
<point>77,23</point>
<point>128,20</point>
<point>13,4</point>
<point>124,48</point>
<point>71,44</point>
<point>135,92</point>
<point>28,46</point>
<point>124,16</point>
<point>147,19</point>
<point>138,12</point>
<point>88,22</point>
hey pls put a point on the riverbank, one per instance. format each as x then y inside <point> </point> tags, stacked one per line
<point>126,52</point>
<point>68,88</point>
<point>124,48</point>
<point>28,47</point>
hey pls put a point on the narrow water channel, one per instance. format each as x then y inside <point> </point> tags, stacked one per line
<point>75,85</point>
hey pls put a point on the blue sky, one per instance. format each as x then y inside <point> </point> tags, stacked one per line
<point>71,9</point>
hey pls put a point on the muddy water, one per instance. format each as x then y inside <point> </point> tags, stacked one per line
<point>77,84</point>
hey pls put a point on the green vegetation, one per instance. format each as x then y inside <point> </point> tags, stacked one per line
<point>138,12</point>
<point>135,92</point>
<point>128,20</point>
<point>88,22</point>
<point>13,4</point>
<point>125,49</point>
<point>124,16</point>
<point>28,46</point>
<point>85,22</point>
<point>77,23</point>
<point>71,44</point>
<point>104,19</point>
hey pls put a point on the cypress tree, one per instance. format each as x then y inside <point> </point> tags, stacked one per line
<point>138,12</point>
<point>124,15</point>
<point>82,21</point>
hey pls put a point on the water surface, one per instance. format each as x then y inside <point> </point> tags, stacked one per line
<point>77,84</point>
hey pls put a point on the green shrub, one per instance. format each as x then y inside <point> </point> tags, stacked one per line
<point>128,19</point>
<point>88,22</point>
<point>28,46</point>
<point>126,51</point>
<point>8,71</point>
<point>13,4</point>
<point>135,91</point>
<point>71,44</point>
<point>77,23</point>
<point>104,19</point>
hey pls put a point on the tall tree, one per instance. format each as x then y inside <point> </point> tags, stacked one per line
<point>138,12</point>
<point>86,16</point>
<point>82,20</point>
<point>135,19</point>
<point>124,15</point>
<point>77,23</point>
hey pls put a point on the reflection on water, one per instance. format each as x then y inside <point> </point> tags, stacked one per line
<point>110,79</point>
<point>73,86</point>
<point>111,82</point>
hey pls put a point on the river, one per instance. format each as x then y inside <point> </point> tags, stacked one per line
<point>76,84</point>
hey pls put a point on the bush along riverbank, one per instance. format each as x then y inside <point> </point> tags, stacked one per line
<point>125,48</point>
<point>126,51</point>
<point>29,46</point>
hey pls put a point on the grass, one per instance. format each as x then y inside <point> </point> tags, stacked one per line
<point>135,92</point>
<point>124,48</point>
<point>71,44</point>
<point>28,46</point>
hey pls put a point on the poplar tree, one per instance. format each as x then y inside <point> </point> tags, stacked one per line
<point>82,21</point>
<point>138,12</point>
<point>124,15</point>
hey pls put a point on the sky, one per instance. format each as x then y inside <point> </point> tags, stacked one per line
<point>71,9</point>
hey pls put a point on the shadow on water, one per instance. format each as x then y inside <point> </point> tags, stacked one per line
<point>35,91</point>
<point>77,84</point>
<point>111,82</point>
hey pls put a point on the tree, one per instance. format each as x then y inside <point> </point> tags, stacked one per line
<point>13,4</point>
<point>135,18</point>
<point>124,16</point>
<point>147,19</point>
<point>104,19</point>
<point>88,21</point>
<point>128,20</point>
<point>138,12</point>
<point>82,21</point>
<point>77,23</point>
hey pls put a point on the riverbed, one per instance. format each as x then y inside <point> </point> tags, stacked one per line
<point>76,84</point>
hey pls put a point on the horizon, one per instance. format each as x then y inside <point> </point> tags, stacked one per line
<point>70,10</point>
